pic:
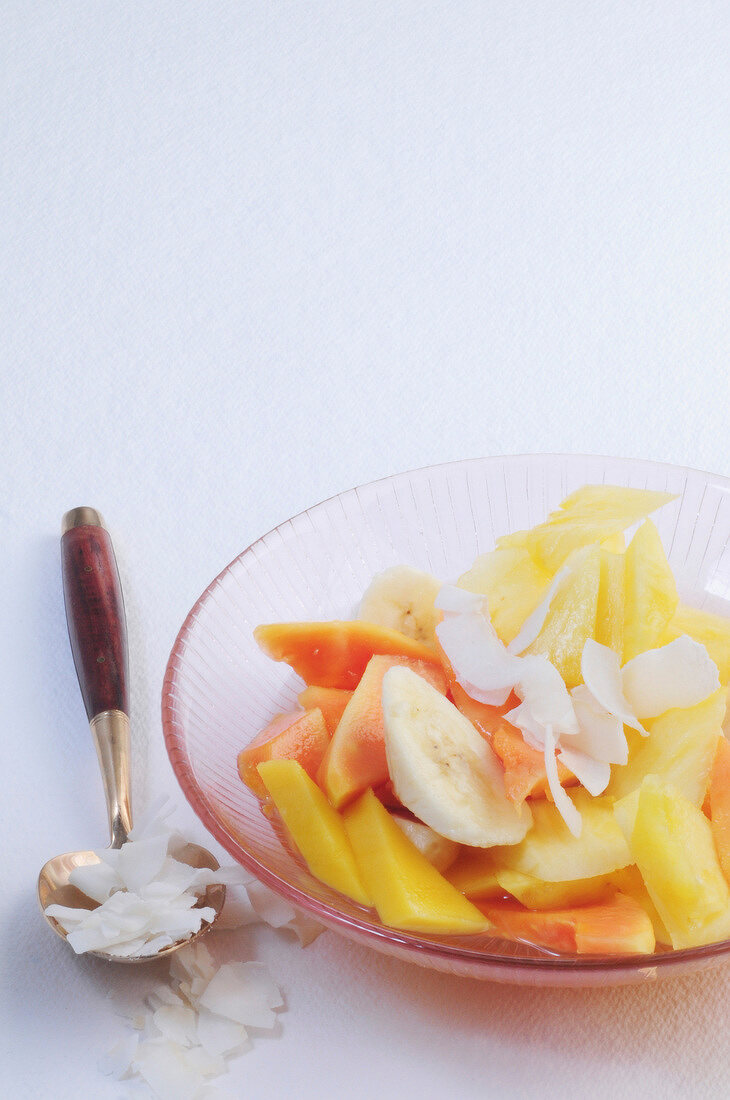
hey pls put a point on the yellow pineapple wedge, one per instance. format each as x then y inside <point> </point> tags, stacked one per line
<point>473,873</point>
<point>571,619</point>
<point>535,893</point>
<point>713,631</point>
<point>315,828</point>
<point>629,881</point>
<point>550,852</point>
<point>513,584</point>
<point>589,515</point>
<point>650,592</point>
<point>680,749</point>
<point>674,850</point>
<point>409,893</point>
<point>610,609</point>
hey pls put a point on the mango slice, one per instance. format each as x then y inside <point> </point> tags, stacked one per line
<point>571,619</point>
<point>294,736</point>
<point>331,701</point>
<point>513,583</point>
<point>409,893</point>
<point>589,515</point>
<point>713,631</point>
<point>618,926</point>
<point>355,759</point>
<point>674,849</point>
<point>650,592</point>
<point>610,609</point>
<point>335,654</point>
<point>315,828</point>
<point>680,749</point>
<point>550,852</point>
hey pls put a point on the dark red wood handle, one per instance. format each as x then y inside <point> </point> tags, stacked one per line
<point>95,614</point>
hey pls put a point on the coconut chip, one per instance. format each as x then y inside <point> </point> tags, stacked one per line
<point>680,674</point>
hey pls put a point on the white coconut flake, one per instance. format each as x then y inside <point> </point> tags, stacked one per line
<point>270,907</point>
<point>563,804</point>
<point>481,663</point>
<point>168,1070</point>
<point>601,735</point>
<point>534,623</point>
<point>543,692</point>
<point>96,880</point>
<point>218,1035</point>
<point>140,861</point>
<point>243,992</point>
<point>117,1062</point>
<point>680,674</point>
<point>602,676</point>
<point>592,774</point>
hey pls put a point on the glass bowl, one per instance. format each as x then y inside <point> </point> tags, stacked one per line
<point>220,689</point>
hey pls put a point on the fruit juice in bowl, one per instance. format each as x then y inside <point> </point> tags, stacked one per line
<point>516,769</point>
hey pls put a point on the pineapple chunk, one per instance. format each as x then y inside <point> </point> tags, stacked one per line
<point>571,619</point>
<point>610,610</point>
<point>713,631</point>
<point>674,850</point>
<point>680,749</point>
<point>550,852</point>
<point>629,882</point>
<point>651,597</point>
<point>513,585</point>
<point>591,514</point>
<point>473,873</point>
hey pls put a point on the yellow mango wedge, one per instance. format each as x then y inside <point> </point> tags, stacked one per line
<point>650,592</point>
<point>571,619</point>
<point>409,893</point>
<point>513,583</point>
<point>534,893</point>
<point>680,749</point>
<point>589,515</point>
<point>674,850</point>
<point>550,851</point>
<point>610,609</point>
<point>315,828</point>
<point>713,631</point>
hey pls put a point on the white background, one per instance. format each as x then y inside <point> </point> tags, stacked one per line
<point>257,253</point>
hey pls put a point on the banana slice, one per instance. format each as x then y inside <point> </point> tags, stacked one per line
<point>402,598</point>
<point>442,770</point>
<point>439,851</point>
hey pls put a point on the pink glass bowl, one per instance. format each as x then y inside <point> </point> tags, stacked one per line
<point>220,690</point>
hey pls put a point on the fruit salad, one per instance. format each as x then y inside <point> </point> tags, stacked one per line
<point>534,752</point>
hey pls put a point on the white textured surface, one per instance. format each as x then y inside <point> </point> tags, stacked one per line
<point>255,253</point>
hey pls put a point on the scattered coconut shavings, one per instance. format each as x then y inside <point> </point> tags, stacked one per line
<point>680,674</point>
<point>200,1018</point>
<point>591,773</point>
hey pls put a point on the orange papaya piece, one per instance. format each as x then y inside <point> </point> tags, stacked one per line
<point>524,767</point>
<point>355,759</point>
<point>335,654</point>
<point>616,926</point>
<point>331,701</point>
<point>295,736</point>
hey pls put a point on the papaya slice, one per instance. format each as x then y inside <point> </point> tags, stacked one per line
<point>293,736</point>
<point>331,701</point>
<point>524,767</point>
<point>616,926</point>
<point>335,654</point>
<point>355,759</point>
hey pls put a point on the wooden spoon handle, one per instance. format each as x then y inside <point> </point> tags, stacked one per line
<point>97,626</point>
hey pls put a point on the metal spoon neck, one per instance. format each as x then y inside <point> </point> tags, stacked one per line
<point>110,730</point>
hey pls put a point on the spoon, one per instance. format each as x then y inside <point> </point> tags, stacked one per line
<point>98,634</point>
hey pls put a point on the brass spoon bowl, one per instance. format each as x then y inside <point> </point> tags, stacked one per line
<point>97,631</point>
